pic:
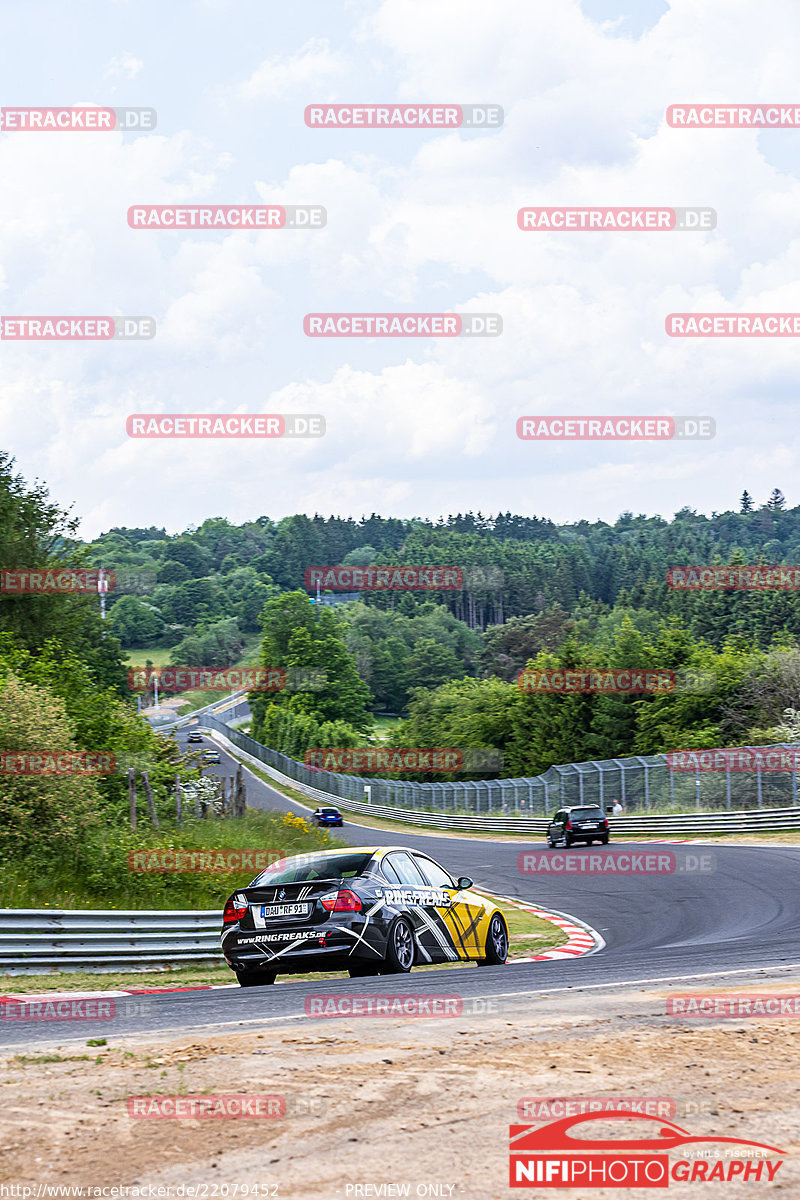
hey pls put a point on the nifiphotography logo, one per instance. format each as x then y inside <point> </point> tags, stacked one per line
<point>648,1152</point>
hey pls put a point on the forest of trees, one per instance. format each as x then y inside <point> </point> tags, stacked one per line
<point>535,594</point>
<point>62,688</point>
<point>513,567</point>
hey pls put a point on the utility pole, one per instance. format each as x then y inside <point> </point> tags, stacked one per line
<point>102,588</point>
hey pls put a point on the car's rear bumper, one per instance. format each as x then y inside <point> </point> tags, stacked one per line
<point>300,964</point>
<point>321,949</point>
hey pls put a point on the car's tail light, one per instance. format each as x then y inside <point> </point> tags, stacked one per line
<point>605,822</point>
<point>342,901</point>
<point>568,825</point>
<point>232,912</point>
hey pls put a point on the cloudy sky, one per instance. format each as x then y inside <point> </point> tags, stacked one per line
<point>418,221</point>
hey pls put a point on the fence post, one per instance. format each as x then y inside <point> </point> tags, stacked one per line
<point>151,808</point>
<point>241,792</point>
<point>728,781</point>
<point>647,787</point>
<point>132,797</point>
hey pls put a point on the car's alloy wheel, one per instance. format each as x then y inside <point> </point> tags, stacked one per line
<point>550,843</point>
<point>255,978</point>
<point>399,948</point>
<point>496,942</point>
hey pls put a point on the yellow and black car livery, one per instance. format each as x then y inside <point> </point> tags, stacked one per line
<point>373,911</point>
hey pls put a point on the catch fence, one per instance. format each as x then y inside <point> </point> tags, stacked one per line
<point>640,785</point>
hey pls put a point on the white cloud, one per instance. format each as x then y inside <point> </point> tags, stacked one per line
<point>423,224</point>
<point>123,66</point>
<point>314,66</point>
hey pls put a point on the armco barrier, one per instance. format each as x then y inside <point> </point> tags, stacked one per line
<point>644,786</point>
<point>218,707</point>
<point>36,941</point>
<point>623,827</point>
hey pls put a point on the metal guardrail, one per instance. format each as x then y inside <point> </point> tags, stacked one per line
<point>644,785</point>
<point>679,825</point>
<point>175,721</point>
<point>39,941</point>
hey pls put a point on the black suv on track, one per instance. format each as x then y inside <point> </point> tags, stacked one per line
<point>584,824</point>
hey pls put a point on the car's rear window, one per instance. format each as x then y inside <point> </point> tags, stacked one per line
<point>587,814</point>
<point>305,868</point>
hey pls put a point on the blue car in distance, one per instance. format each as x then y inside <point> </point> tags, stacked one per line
<point>327,816</point>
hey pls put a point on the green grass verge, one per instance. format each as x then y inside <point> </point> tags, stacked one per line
<point>190,701</point>
<point>102,877</point>
<point>384,726</point>
<point>527,935</point>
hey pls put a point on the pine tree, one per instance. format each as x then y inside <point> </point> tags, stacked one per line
<point>746,502</point>
<point>777,500</point>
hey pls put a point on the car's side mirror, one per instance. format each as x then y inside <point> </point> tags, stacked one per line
<point>464,883</point>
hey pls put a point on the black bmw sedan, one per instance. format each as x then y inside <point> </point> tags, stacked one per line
<point>367,911</point>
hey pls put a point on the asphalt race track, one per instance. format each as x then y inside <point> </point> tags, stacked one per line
<point>741,914</point>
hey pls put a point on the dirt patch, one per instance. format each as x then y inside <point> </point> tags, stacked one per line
<point>417,1102</point>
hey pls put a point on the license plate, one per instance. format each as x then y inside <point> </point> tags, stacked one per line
<point>269,911</point>
<point>590,826</point>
